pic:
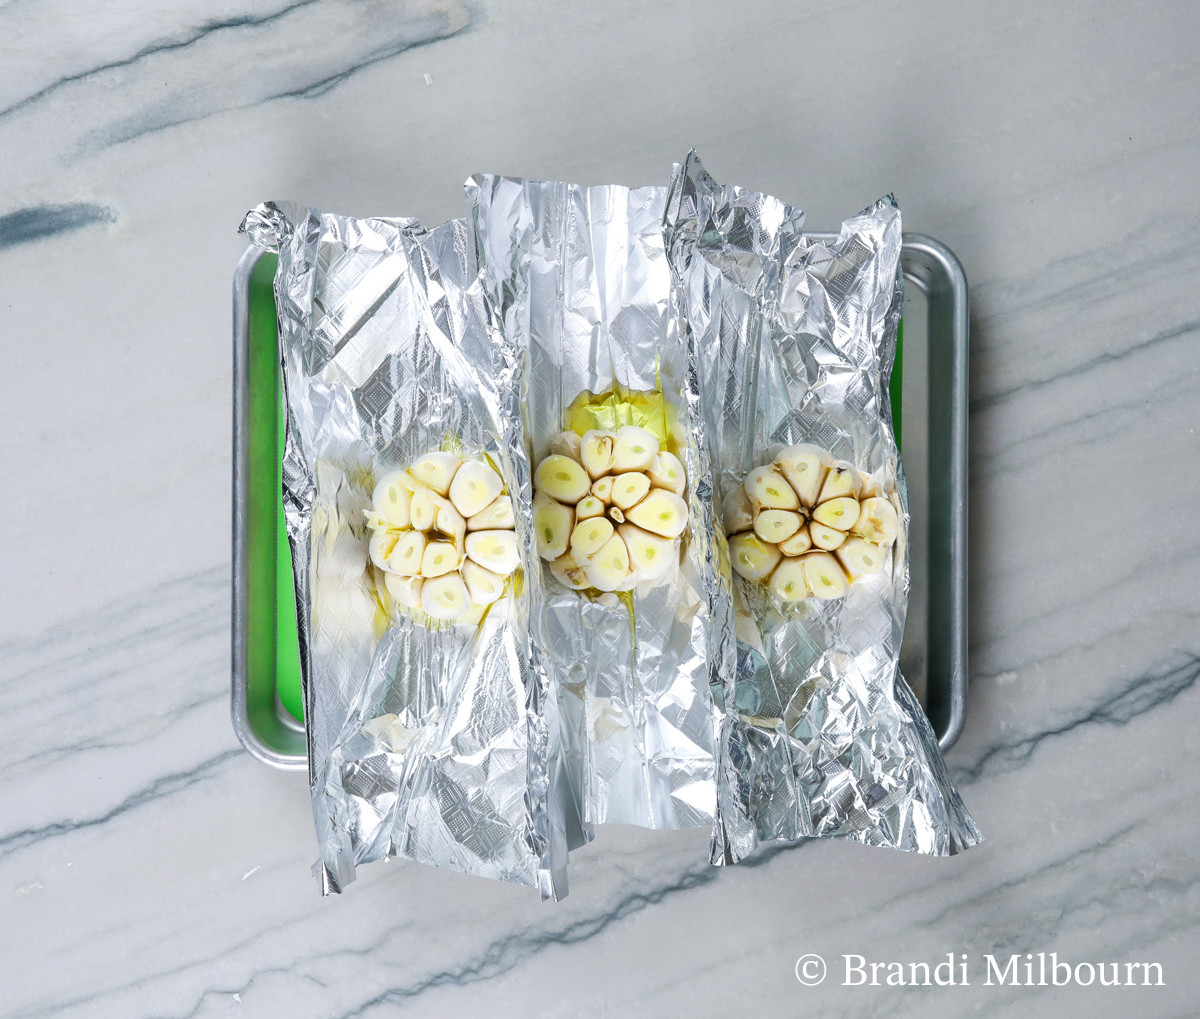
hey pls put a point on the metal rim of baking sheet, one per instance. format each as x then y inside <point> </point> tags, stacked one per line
<point>258,744</point>
<point>929,266</point>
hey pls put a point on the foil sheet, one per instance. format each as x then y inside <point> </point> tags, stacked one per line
<point>389,351</point>
<point>581,285</point>
<point>820,734</point>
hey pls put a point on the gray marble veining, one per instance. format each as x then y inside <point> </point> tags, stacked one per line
<point>149,867</point>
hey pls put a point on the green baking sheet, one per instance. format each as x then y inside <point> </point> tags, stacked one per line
<point>272,645</point>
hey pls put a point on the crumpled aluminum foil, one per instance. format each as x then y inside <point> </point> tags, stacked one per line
<point>388,349</point>
<point>821,735</point>
<point>506,744</point>
<point>581,284</point>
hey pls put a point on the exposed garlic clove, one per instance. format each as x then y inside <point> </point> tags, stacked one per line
<point>615,515</point>
<point>775,526</point>
<point>407,554</point>
<point>737,514</point>
<point>661,512</point>
<point>861,558</point>
<point>609,567</point>
<point>380,547</point>
<point>497,514</point>
<point>439,557</point>
<point>589,536</point>
<point>562,479</point>
<point>841,513</point>
<point>474,487</point>
<point>495,550</point>
<point>824,575</point>
<point>805,468</point>
<point>868,486</point>
<point>666,471</point>
<point>768,489</point>
<point>842,480</point>
<point>634,449</point>
<point>825,537</point>
<point>788,582</point>
<point>751,557</point>
<point>422,510</point>
<point>629,489</point>
<point>570,572</point>
<point>436,470</point>
<point>391,499</point>
<point>588,506</point>
<point>483,586</point>
<point>445,597</point>
<point>406,590</point>
<point>596,452</point>
<point>552,524</point>
<point>602,489</point>
<point>651,556</point>
<point>798,543</point>
<point>451,523</point>
<point>878,522</point>
<point>568,444</point>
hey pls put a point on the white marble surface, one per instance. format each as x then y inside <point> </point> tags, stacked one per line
<point>149,867</point>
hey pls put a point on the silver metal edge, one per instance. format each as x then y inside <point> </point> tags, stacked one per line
<point>940,258</point>
<point>239,706</point>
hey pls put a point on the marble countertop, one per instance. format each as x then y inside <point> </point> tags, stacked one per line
<point>150,867</point>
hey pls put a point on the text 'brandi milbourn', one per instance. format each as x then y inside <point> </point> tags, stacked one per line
<point>1038,970</point>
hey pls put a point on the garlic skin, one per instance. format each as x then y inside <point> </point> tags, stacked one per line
<point>809,526</point>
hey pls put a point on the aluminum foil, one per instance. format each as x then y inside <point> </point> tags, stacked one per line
<point>581,285</point>
<point>495,750</point>
<point>389,351</point>
<point>820,734</point>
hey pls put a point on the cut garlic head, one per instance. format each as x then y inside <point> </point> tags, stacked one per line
<point>805,506</point>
